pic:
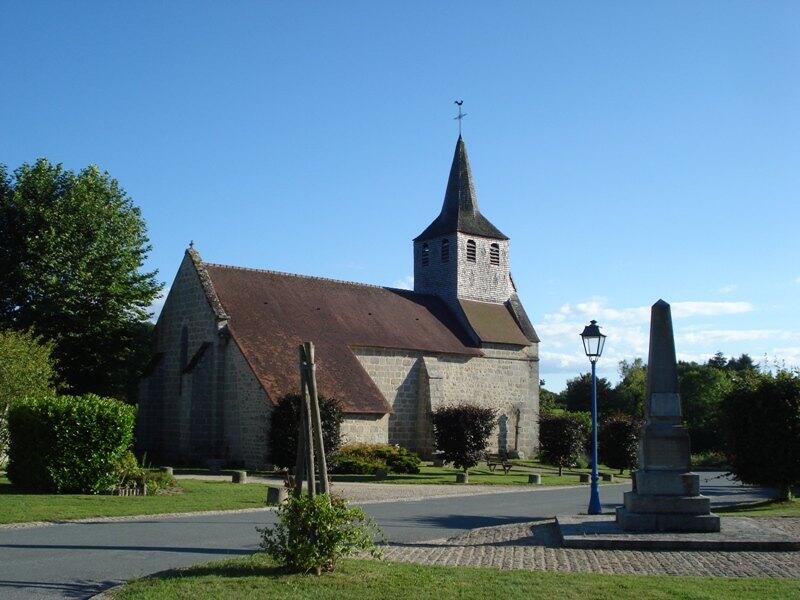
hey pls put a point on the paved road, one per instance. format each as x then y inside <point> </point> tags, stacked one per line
<point>77,560</point>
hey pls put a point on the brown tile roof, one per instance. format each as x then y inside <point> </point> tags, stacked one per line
<point>494,323</point>
<point>272,313</point>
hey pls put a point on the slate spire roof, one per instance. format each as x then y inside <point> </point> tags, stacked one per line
<point>460,208</point>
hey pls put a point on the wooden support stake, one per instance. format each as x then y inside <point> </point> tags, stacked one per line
<point>307,426</point>
<point>300,460</point>
<point>311,389</point>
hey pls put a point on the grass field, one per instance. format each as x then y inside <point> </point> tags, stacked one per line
<point>768,508</point>
<point>255,577</point>
<point>196,496</point>
<point>478,475</point>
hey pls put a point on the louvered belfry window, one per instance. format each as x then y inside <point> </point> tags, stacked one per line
<point>494,254</point>
<point>445,250</point>
<point>426,253</point>
<point>471,250</point>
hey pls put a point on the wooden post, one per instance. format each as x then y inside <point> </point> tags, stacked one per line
<point>311,390</point>
<point>307,426</point>
<point>300,460</point>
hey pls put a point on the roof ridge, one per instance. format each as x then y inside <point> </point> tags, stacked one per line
<point>316,277</point>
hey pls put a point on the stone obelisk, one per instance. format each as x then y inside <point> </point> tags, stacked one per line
<point>666,495</point>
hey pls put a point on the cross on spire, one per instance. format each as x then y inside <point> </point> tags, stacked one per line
<point>460,116</point>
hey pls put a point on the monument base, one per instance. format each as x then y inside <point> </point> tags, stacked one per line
<point>667,522</point>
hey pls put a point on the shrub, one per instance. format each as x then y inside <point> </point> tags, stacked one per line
<point>761,414</point>
<point>562,439</point>
<point>462,433</point>
<point>619,441</point>
<point>26,368</point>
<point>315,533</point>
<point>68,443</point>
<point>368,458</point>
<point>285,425</point>
<point>129,472</point>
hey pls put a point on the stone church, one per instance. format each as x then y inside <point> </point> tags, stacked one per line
<point>226,346</point>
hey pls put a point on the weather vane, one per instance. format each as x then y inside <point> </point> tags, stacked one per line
<point>460,115</point>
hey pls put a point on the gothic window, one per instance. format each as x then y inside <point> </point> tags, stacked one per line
<point>445,250</point>
<point>494,254</point>
<point>426,252</point>
<point>471,250</point>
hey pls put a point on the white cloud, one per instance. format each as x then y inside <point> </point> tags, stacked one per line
<point>406,283</point>
<point>157,305</point>
<point>728,289</point>
<point>709,309</point>
<point>735,335</point>
<point>797,280</point>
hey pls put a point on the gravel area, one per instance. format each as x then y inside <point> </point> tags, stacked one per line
<point>536,546</point>
<point>396,492</point>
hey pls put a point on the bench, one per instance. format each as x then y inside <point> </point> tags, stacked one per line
<point>498,460</point>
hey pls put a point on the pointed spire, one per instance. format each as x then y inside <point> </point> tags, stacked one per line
<point>662,368</point>
<point>460,207</point>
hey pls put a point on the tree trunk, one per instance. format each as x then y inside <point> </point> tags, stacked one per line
<point>786,492</point>
<point>560,470</point>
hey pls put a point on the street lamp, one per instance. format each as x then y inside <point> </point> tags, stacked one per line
<point>593,342</point>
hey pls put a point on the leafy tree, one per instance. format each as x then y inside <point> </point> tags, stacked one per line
<point>702,389</point>
<point>743,363</point>
<point>629,395</point>
<point>718,361</point>
<point>462,433</point>
<point>72,247</point>
<point>285,425</point>
<point>548,401</point>
<point>619,441</point>
<point>562,439</point>
<point>578,394</point>
<point>25,369</point>
<point>761,414</point>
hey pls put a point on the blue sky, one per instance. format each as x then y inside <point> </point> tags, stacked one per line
<point>631,151</point>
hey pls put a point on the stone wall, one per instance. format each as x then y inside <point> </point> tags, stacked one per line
<point>365,428</point>
<point>506,378</point>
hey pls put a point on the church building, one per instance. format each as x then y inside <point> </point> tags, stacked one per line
<point>227,337</point>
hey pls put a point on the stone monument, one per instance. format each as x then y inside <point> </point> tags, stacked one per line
<point>666,495</point>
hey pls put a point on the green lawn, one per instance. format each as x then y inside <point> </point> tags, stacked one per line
<point>255,577</point>
<point>768,508</point>
<point>480,475</point>
<point>196,495</point>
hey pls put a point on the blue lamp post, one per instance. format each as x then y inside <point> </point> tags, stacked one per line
<point>593,342</point>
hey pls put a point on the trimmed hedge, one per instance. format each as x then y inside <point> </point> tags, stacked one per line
<point>462,433</point>
<point>361,459</point>
<point>562,439</point>
<point>619,441</point>
<point>68,443</point>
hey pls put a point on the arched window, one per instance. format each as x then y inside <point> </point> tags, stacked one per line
<point>471,250</point>
<point>445,250</point>
<point>494,254</point>
<point>426,253</point>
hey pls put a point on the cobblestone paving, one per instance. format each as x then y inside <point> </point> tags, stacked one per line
<point>535,546</point>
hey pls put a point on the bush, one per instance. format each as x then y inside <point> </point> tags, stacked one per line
<point>26,368</point>
<point>562,439</point>
<point>619,441</point>
<point>68,443</point>
<point>315,533</point>
<point>761,414</point>
<point>462,433</point>
<point>130,473</point>
<point>369,458</point>
<point>285,425</point>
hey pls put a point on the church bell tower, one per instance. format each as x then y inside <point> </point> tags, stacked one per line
<point>461,255</point>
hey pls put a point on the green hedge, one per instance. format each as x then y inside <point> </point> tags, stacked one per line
<point>68,443</point>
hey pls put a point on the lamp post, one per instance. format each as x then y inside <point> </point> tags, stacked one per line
<point>593,342</point>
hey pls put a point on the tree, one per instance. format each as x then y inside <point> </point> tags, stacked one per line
<point>26,369</point>
<point>629,395</point>
<point>619,441</point>
<point>72,248</point>
<point>761,414</point>
<point>743,363</point>
<point>578,394</point>
<point>462,433</point>
<point>285,425</point>
<point>702,389</point>
<point>562,439</point>
<point>718,361</point>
